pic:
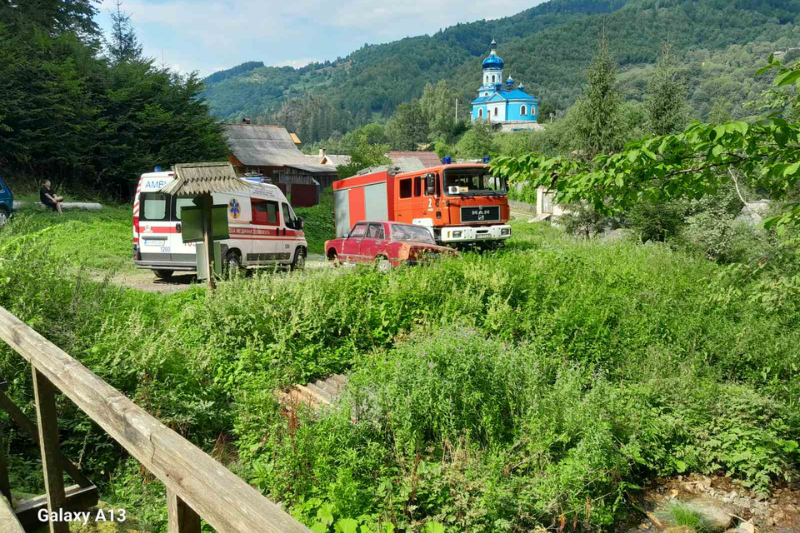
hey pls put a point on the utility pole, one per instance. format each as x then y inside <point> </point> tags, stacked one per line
<point>456,110</point>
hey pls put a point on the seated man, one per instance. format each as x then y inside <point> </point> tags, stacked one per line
<point>49,198</point>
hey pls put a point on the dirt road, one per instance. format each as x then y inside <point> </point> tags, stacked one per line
<point>145,280</point>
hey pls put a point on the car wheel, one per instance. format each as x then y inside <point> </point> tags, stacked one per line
<point>233,262</point>
<point>3,217</point>
<point>164,274</point>
<point>383,264</point>
<point>299,262</point>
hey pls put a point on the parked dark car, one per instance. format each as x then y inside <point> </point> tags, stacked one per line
<point>388,244</point>
<point>6,202</point>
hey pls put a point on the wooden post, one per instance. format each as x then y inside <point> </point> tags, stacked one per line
<point>208,238</point>
<point>182,518</point>
<point>5,486</point>
<point>48,443</point>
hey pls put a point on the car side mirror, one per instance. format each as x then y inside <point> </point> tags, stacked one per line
<point>299,223</point>
<point>430,184</point>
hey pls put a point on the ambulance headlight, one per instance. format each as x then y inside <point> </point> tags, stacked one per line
<point>505,231</point>
<point>456,234</point>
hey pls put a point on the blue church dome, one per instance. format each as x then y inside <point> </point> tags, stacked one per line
<point>493,61</point>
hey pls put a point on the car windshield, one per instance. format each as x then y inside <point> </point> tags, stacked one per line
<point>404,232</point>
<point>473,182</point>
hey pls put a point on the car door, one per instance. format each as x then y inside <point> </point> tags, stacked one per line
<point>351,247</point>
<point>373,242</point>
<point>156,227</point>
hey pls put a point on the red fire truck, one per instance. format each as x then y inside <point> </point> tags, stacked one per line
<point>459,203</point>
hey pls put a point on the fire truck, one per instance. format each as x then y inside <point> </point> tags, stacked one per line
<point>459,203</point>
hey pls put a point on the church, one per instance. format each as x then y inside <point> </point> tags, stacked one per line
<point>500,102</point>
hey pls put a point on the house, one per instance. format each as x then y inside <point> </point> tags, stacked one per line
<point>272,152</point>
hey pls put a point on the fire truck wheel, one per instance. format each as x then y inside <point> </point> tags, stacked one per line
<point>299,262</point>
<point>163,274</point>
<point>233,262</point>
<point>383,264</point>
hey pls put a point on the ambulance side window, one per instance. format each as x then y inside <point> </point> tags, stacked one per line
<point>265,212</point>
<point>288,215</point>
<point>154,206</point>
<point>180,203</point>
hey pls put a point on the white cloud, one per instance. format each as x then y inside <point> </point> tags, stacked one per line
<point>200,34</point>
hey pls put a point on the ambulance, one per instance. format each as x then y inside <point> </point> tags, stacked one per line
<point>263,228</point>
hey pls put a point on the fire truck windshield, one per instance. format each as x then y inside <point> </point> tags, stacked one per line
<point>473,182</point>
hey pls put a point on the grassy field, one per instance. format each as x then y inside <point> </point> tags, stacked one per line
<point>495,392</point>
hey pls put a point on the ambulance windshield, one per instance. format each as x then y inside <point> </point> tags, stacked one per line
<point>473,182</point>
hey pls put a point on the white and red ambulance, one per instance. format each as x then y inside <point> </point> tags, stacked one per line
<point>263,228</point>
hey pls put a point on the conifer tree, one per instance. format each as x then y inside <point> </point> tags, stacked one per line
<point>667,96</point>
<point>598,118</point>
<point>124,45</point>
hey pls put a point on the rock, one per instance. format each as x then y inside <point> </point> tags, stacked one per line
<point>705,482</point>
<point>753,212</point>
<point>744,527</point>
<point>711,512</point>
<point>679,529</point>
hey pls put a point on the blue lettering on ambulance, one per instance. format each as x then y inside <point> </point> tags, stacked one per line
<point>155,184</point>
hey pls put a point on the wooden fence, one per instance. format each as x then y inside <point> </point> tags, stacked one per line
<point>197,485</point>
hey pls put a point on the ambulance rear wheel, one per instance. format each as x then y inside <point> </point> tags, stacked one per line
<point>163,274</point>
<point>299,262</point>
<point>233,262</point>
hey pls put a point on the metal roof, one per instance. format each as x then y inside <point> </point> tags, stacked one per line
<point>428,159</point>
<point>261,145</point>
<point>192,179</point>
<point>313,168</point>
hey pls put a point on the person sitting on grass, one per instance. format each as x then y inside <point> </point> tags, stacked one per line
<point>49,198</point>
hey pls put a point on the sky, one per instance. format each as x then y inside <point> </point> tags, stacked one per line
<point>212,35</point>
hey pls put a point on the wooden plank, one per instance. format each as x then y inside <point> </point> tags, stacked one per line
<point>5,487</point>
<point>77,499</point>
<point>8,520</point>
<point>29,426</point>
<point>48,443</point>
<point>182,519</point>
<point>208,238</point>
<point>226,502</point>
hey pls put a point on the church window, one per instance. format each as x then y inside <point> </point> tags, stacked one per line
<point>523,110</point>
<point>492,78</point>
<point>480,113</point>
<point>495,111</point>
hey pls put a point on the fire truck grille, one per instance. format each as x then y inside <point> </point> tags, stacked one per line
<point>480,213</point>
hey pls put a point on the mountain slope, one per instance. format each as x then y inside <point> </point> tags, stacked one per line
<point>546,47</point>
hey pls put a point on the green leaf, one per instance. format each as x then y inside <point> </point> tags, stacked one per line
<point>346,525</point>
<point>433,527</point>
<point>680,466</point>
<point>791,169</point>
<point>325,513</point>
<point>319,527</point>
<point>786,78</point>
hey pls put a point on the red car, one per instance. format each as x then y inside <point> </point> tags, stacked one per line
<point>389,244</point>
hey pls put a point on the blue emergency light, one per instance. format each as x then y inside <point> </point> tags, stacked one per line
<point>446,160</point>
<point>485,159</point>
<point>157,169</point>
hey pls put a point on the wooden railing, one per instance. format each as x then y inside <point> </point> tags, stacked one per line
<point>197,485</point>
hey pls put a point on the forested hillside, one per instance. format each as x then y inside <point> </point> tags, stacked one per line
<point>547,47</point>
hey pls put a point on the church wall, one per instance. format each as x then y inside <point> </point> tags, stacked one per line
<point>501,111</point>
<point>514,111</point>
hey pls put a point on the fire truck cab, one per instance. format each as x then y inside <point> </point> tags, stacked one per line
<point>459,203</point>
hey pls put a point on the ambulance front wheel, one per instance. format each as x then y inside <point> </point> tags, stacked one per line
<point>163,274</point>
<point>299,262</point>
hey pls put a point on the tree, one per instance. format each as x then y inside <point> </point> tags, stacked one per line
<point>667,96</point>
<point>438,106</point>
<point>408,127</point>
<point>598,124</point>
<point>124,45</point>
<point>477,143</point>
<point>692,164</point>
<point>721,112</point>
<point>364,155</point>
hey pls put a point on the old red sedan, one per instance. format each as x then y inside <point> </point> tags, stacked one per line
<point>388,244</point>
